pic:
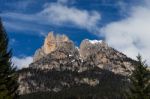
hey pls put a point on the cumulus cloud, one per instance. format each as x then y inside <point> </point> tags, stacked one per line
<point>59,14</point>
<point>22,62</point>
<point>132,34</point>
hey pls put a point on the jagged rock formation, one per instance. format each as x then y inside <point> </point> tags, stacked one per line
<point>89,47</point>
<point>59,64</point>
<point>51,43</point>
<point>105,57</point>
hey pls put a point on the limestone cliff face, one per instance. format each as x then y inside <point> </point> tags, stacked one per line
<point>51,43</point>
<point>59,64</point>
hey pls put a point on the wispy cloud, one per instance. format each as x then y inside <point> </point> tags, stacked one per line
<point>12,41</point>
<point>22,62</point>
<point>18,5</point>
<point>58,14</point>
<point>66,1</point>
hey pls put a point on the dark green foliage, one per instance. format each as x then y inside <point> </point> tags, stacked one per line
<point>140,81</point>
<point>8,77</point>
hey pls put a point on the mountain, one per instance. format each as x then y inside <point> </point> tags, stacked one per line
<point>64,70</point>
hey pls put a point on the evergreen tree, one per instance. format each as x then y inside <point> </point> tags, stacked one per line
<point>8,75</point>
<point>140,81</point>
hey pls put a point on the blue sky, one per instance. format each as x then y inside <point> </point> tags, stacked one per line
<point>27,22</point>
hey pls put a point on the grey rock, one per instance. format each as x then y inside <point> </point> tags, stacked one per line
<point>67,66</point>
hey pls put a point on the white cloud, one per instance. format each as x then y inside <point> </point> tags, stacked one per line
<point>132,34</point>
<point>58,14</point>
<point>22,62</point>
<point>23,26</point>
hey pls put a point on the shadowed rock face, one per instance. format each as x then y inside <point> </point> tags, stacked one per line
<point>85,65</point>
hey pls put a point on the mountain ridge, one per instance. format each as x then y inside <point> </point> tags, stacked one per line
<point>59,64</point>
<point>87,49</point>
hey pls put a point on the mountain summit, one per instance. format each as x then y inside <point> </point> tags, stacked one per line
<point>103,56</point>
<point>59,64</point>
<point>51,43</point>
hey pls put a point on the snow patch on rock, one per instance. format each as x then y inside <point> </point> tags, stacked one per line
<point>95,41</point>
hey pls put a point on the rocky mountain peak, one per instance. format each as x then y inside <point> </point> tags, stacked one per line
<point>93,52</point>
<point>89,47</point>
<point>51,43</point>
<point>59,64</point>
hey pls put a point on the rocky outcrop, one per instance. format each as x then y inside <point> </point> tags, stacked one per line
<point>90,47</point>
<point>51,43</point>
<point>59,64</point>
<point>105,57</point>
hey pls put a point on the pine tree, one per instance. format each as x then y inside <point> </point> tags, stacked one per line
<point>140,81</point>
<point>8,75</point>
